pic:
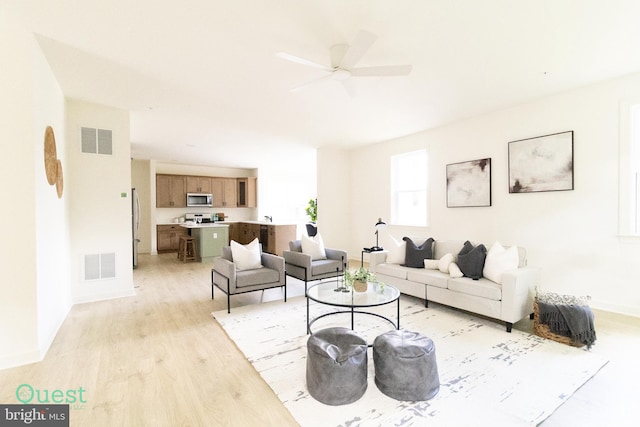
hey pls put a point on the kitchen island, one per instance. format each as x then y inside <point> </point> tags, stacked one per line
<point>210,238</point>
<point>273,236</point>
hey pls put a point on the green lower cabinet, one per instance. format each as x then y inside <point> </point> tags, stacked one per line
<point>210,241</point>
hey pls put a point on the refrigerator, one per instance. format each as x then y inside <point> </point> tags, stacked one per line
<point>135,224</point>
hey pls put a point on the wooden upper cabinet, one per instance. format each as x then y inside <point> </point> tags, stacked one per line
<point>170,191</point>
<point>198,184</point>
<point>224,192</point>
<point>247,192</point>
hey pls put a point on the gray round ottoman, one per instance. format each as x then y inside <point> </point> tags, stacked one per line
<point>336,366</point>
<point>405,366</point>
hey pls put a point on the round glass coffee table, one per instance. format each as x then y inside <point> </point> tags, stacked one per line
<point>331,292</point>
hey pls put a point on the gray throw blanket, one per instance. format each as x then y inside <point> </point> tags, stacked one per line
<point>573,321</point>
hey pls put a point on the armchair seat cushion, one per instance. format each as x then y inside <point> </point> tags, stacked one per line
<point>257,276</point>
<point>325,266</point>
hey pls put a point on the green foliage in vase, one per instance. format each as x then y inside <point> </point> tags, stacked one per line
<point>312,210</point>
<point>361,274</point>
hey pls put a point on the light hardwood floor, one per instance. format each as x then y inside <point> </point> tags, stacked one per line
<point>160,359</point>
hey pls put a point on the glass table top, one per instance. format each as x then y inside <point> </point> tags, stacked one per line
<point>376,294</point>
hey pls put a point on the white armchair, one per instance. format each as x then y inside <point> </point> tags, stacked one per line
<point>302,267</point>
<point>231,281</point>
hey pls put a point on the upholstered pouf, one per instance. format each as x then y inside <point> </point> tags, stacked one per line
<point>405,366</point>
<point>336,366</point>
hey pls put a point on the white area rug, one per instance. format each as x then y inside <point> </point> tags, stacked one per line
<point>487,376</point>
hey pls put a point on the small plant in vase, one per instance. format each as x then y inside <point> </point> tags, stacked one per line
<point>358,278</point>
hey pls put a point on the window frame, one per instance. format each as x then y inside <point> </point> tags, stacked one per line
<point>629,167</point>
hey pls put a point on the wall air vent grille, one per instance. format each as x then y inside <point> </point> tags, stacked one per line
<point>96,141</point>
<point>99,266</point>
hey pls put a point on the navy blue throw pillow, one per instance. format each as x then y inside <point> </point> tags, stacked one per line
<point>471,260</point>
<point>415,255</point>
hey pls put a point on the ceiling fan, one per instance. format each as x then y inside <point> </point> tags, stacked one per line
<point>343,60</point>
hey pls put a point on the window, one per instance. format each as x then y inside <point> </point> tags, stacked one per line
<point>630,168</point>
<point>409,188</point>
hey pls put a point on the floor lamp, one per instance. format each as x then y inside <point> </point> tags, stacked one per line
<point>380,225</point>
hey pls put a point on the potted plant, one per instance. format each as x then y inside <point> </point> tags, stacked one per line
<point>312,212</point>
<point>358,278</point>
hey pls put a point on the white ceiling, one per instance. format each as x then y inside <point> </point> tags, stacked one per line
<point>204,86</point>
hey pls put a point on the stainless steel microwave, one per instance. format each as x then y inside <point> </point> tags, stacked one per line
<point>200,199</point>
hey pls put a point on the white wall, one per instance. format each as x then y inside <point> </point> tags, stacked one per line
<point>335,198</point>
<point>34,291</point>
<point>52,221</point>
<point>99,214</point>
<point>570,235</point>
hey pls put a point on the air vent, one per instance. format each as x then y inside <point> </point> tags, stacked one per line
<point>96,141</point>
<point>99,266</point>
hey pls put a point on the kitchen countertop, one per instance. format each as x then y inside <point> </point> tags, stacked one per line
<point>202,225</point>
<point>262,222</point>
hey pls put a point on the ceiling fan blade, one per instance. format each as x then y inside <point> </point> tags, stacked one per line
<point>337,53</point>
<point>302,61</point>
<point>307,83</point>
<point>358,48</point>
<point>348,86</point>
<point>384,70</point>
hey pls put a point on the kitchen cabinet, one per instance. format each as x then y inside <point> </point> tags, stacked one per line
<point>198,184</point>
<point>247,192</point>
<point>168,236</point>
<point>224,192</point>
<point>247,231</point>
<point>278,238</point>
<point>210,241</point>
<point>170,191</point>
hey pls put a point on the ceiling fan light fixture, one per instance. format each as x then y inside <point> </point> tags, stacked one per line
<point>340,74</point>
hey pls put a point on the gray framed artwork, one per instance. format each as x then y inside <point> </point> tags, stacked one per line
<point>544,163</point>
<point>469,184</point>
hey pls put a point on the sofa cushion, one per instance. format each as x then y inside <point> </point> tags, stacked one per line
<point>471,260</point>
<point>313,246</point>
<point>454,270</point>
<point>431,264</point>
<point>498,261</point>
<point>393,270</point>
<point>256,277</point>
<point>443,247</point>
<point>246,257</point>
<point>324,266</point>
<point>428,277</point>
<point>397,250</point>
<point>415,255</point>
<point>483,288</point>
<point>443,263</point>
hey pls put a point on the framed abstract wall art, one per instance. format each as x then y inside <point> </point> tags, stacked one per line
<point>469,184</point>
<point>544,163</point>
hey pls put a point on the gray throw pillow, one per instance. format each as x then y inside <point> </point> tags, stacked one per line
<point>471,260</point>
<point>415,255</point>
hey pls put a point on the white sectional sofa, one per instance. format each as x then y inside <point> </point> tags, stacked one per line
<point>509,301</point>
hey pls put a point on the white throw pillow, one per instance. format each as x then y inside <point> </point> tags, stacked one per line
<point>454,271</point>
<point>498,261</point>
<point>246,257</point>
<point>431,264</point>
<point>443,263</point>
<point>397,251</point>
<point>313,246</point>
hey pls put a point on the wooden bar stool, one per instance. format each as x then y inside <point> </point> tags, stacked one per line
<point>186,249</point>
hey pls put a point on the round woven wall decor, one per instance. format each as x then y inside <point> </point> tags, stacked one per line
<point>59,178</point>
<point>50,156</point>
